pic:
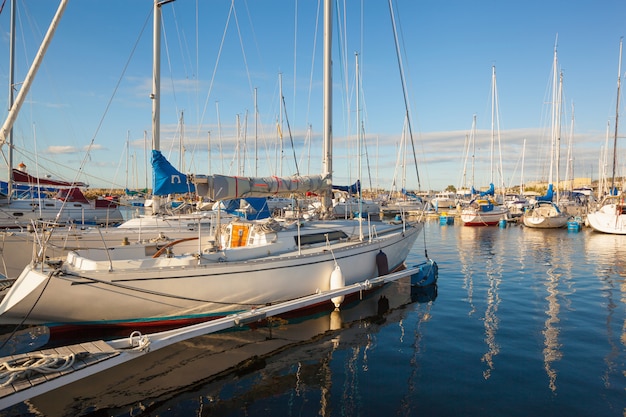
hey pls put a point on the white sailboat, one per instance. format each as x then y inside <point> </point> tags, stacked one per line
<point>247,264</point>
<point>611,216</point>
<point>21,243</point>
<point>484,209</point>
<point>69,205</point>
<point>544,213</point>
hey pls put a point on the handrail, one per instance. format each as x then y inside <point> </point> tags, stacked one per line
<point>160,251</point>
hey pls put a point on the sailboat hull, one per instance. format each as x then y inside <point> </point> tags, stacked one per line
<point>610,218</point>
<point>21,212</point>
<point>477,217</point>
<point>545,215</point>
<point>181,288</point>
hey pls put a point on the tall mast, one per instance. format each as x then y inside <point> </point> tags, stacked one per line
<point>619,83</point>
<point>11,91</point>
<point>493,117</point>
<point>156,87</point>
<point>156,76</point>
<point>327,168</point>
<point>521,184</point>
<point>553,115</point>
<point>557,150</point>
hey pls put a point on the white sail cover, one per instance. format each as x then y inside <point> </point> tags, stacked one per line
<point>223,187</point>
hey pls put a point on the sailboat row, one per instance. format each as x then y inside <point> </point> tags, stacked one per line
<point>26,198</point>
<point>241,265</point>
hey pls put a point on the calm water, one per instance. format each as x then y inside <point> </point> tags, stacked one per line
<point>523,323</point>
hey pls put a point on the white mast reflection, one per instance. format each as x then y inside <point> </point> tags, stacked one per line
<point>491,320</point>
<point>551,349</point>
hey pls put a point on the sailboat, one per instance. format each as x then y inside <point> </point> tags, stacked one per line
<point>611,216</point>
<point>247,263</point>
<point>69,205</point>
<point>544,213</point>
<point>484,209</point>
<point>21,242</point>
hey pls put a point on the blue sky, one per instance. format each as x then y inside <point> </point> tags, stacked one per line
<point>95,83</point>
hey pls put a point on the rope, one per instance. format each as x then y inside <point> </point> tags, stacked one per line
<point>13,369</point>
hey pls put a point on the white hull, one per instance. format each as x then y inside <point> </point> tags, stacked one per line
<point>608,219</point>
<point>19,213</point>
<point>545,216</point>
<point>476,217</point>
<point>143,289</point>
<point>348,208</point>
<point>540,222</point>
<point>444,201</point>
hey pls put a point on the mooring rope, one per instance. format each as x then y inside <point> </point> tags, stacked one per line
<point>13,369</point>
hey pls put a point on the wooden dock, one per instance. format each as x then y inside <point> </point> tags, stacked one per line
<point>31,374</point>
<point>26,372</point>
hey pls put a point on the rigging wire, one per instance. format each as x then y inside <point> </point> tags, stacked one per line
<point>406,100</point>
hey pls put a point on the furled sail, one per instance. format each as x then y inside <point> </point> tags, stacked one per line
<point>166,179</point>
<point>222,187</point>
<point>351,189</point>
<point>548,196</point>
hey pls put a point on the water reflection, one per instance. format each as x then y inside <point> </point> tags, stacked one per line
<point>423,311</point>
<point>608,253</point>
<point>231,371</point>
<point>550,249</point>
<point>481,255</point>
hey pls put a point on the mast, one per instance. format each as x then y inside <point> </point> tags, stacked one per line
<point>554,116</point>
<point>280,124</point>
<point>156,76</point>
<point>156,86</point>
<point>557,156</point>
<point>493,117</point>
<point>619,83</point>
<point>358,135</point>
<point>11,84</point>
<point>256,135</point>
<point>521,186</point>
<point>21,96</point>
<point>327,165</point>
<point>473,137</point>
<point>127,156</point>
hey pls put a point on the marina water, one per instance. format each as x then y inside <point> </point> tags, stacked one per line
<point>523,322</point>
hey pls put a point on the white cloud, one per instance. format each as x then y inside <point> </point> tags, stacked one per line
<point>62,149</point>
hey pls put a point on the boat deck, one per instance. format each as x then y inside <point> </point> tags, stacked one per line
<point>76,357</point>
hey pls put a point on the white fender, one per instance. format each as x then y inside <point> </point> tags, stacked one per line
<point>337,281</point>
<point>335,320</point>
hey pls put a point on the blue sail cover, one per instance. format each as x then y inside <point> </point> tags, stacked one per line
<point>258,208</point>
<point>411,195</point>
<point>490,191</point>
<point>166,179</point>
<point>548,196</point>
<point>352,189</point>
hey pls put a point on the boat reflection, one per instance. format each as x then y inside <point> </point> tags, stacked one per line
<point>482,256</point>
<point>550,249</point>
<point>608,253</point>
<point>226,372</point>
